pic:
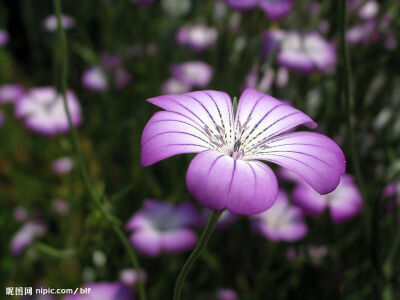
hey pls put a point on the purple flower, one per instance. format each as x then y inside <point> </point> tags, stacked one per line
<point>271,40</point>
<point>20,214</point>
<point>10,93</point>
<point>306,54</point>
<point>242,4</point>
<point>122,77</point>
<point>43,111</point>
<point>161,226</point>
<point>344,202</point>
<point>282,77</point>
<point>227,172</point>
<point>104,291</point>
<point>130,276</point>
<point>390,41</point>
<point>317,254</point>
<point>25,236</point>
<point>111,61</point>
<point>2,119</point>
<point>198,37</point>
<point>282,222</point>
<point>60,206</point>
<point>276,9</point>
<point>266,79</point>
<point>95,79</point>
<point>4,37</point>
<point>193,73</point>
<point>62,165</point>
<point>174,86</point>
<point>363,33</point>
<point>391,190</point>
<point>50,22</point>
<point>226,294</point>
<point>369,10</point>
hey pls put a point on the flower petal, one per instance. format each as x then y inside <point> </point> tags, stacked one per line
<point>169,133</point>
<point>146,242</point>
<point>282,222</point>
<point>189,125</point>
<point>178,240</point>
<point>309,200</point>
<point>346,200</point>
<point>276,10</point>
<point>261,117</point>
<point>317,159</point>
<point>218,181</point>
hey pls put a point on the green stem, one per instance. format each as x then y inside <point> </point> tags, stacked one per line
<point>57,253</point>
<point>390,261</point>
<point>113,220</point>
<point>347,93</point>
<point>202,243</point>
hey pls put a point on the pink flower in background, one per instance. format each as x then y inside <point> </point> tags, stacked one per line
<point>10,93</point>
<point>392,190</point>
<point>130,276</point>
<point>344,202</point>
<point>95,79</point>
<point>266,78</point>
<point>282,222</point>
<point>60,206</point>
<point>50,22</point>
<point>390,41</point>
<point>25,236</point>
<point>2,119</point>
<point>363,34</point>
<point>122,78</point>
<point>63,165</point>
<point>226,294</point>
<point>163,227</point>
<point>193,73</point>
<point>276,9</point>
<point>306,54</point>
<point>4,37</point>
<point>242,4</point>
<point>20,214</point>
<point>271,40</point>
<point>104,291</point>
<point>110,61</point>
<point>369,10</point>
<point>43,111</point>
<point>174,86</point>
<point>317,254</point>
<point>197,37</point>
<point>228,172</point>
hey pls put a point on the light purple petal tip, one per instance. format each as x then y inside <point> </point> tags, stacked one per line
<point>317,159</point>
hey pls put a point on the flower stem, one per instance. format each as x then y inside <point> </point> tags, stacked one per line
<point>347,94</point>
<point>87,183</point>
<point>202,243</point>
